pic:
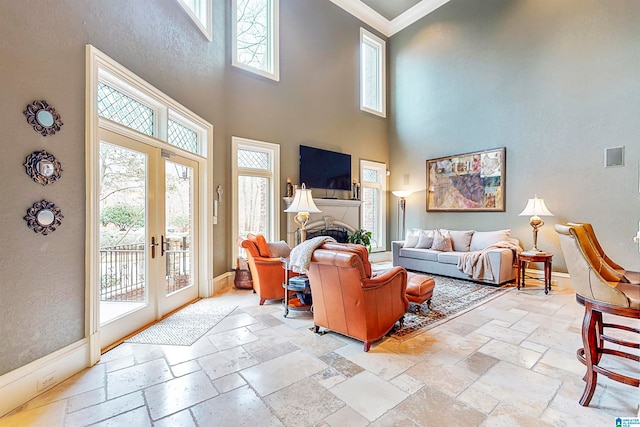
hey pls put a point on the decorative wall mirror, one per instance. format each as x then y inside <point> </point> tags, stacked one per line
<point>43,217</point>
<point>43,167</point>
<point>43,117</point>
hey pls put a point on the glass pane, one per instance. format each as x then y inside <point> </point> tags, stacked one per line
<point>115,105</point>
<point>122,229</point>
<point>369,175</point>
<point>179,211</point>
<point>370,212</point>
<point>371,84</point>
<point>253,160</point>
<point>253,205</point>
<point>253,34</point>
<point>182,137</point>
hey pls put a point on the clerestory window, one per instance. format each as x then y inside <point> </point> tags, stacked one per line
<point>200,11</point>
<point>373,97</point>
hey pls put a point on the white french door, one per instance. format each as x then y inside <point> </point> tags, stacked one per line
<point>147,234</point>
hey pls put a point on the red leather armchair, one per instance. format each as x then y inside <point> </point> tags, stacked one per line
<point>347,300</point>
<point>267,272</point>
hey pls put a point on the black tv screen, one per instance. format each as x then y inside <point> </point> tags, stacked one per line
<point>325,169</point>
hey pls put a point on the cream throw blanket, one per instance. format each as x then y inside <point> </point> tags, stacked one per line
<point>477,265</point>
<point>300,257</point>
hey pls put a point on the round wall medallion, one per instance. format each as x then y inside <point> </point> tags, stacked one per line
<point>43,217</point>
<point>43,117</point>
<point>43,167</point>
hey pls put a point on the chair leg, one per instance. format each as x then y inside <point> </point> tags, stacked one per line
<point>589,340</point>
<point>262,301</point>
<point>316,328</point>
<point>367,346</point>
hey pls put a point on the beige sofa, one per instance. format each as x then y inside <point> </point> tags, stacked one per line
<point>487,256</point>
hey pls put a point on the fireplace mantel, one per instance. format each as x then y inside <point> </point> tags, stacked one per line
<point>347,211</point>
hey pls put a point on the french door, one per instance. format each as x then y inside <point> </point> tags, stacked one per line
<point>147,234</point>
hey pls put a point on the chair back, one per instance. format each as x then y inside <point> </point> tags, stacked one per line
<point>591,276</point>
<point>588,228</point>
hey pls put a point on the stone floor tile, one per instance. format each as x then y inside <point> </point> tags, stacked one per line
<point>563,360</point>
<point>228,383</point>
<point>518,387</point>
<point>185,368</point>
<point>478,363</point>
<point>511,353</point>
<point>328,378</point>
<point>524,326</point>
<point>277,350</point>
<point>232,338</point>
<point>88,398</point>
<point>380,396</point>
<point>137,377</point>
<point>179,419</point>
<point>341,364</point>
<point>228,409</point>
<point>449,379</point>
<point>557,338</point>
<point>346,417</point>
<point>49,415</point>
<point>478,400</point>
<point>533,346</point>
<point>283,371</point>
<point>137,417</point>
<point>303,403</point>
<point>407,383</point>
<point>393,418</point>
<point>105,410</point>
<point>175,395</point>
<point>278,334</point>
<point>430,407</point>
<point>121,363</point>
<point>501,333</point>
<point>233,321</point>
<point>317,344</point>
<point>176,354</point>
<point>226,362</point>
<point>385,365</point>
<point>508,416</point>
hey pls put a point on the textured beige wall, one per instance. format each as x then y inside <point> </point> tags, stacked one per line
<point>556,82</point>
<point>42,56</point>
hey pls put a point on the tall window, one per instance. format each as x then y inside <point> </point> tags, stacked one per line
<point>373,98</point>
<point>200,11</point>
<point>256,195</point>
<point>373,181</point>
<point>254,26</point>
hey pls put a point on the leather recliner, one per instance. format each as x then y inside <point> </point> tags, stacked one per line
<point>267,273</point>
<point>347,300</point>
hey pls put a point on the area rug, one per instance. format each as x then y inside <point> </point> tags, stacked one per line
<point>451,298</point>
<point>185,326</point>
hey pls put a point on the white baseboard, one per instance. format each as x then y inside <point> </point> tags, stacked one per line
<point>222,283</point>
<point>23,384</point>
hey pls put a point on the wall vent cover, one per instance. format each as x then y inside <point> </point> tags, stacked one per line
<point>613,157</point>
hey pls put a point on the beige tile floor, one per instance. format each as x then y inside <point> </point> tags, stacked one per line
<point>509,362</point>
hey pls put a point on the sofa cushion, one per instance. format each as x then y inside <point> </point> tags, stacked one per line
<point>461,240</point>
<point>411,240</point>
<point>448,257</point>
<point>424,254</point>
<point>442,241</point>
<point>260,242</point>
<point>425,240</point>
<point>482,239</point>
<point>278,249</point>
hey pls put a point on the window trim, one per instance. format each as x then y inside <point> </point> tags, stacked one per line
<point>203,19</point>
<point>273,149</point>
<point>273,45</point>
<point>370,39</point>
<point>381,186</point>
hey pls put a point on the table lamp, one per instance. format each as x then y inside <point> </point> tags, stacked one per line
<point>535,208</point>
<point>402,204</point>
<point>303,205</point>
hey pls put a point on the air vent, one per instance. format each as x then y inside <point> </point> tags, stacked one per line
<point>613,157</point>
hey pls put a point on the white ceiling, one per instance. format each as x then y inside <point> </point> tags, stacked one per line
<point>389,16</point>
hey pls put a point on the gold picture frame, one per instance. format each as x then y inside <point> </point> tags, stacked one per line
<point>470,182</point>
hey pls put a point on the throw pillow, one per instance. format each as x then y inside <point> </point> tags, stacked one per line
<point>279,249</point>
<point>441,241</point>
<point>425,240</point>
<point>412,238</point>
<point>482,239</point>
<point>261,244</point>
<point>461,240</point>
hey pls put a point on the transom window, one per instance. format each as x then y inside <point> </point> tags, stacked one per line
<point>255,36</point>
<point>115,105</point>
<point>372,74</point>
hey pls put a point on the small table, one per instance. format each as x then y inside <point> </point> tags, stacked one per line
<point>287,288</point>
<point>525,257</point>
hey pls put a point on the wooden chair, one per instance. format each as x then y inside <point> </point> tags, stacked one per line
<point>601,290</point>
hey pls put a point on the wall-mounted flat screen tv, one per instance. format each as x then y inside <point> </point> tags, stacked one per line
<point>325,169</point>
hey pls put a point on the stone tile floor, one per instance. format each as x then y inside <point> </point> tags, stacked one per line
<point>509,362</point>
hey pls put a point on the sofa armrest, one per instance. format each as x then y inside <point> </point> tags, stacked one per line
<point>396,245</point>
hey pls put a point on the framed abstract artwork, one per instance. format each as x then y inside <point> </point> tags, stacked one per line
<point>471,182</point>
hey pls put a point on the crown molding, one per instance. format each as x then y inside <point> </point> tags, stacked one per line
<point>388,28</point>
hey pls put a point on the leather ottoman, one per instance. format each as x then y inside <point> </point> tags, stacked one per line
<point>419,289</point>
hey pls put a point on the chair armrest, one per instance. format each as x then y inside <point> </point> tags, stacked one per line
<point>394,274</point>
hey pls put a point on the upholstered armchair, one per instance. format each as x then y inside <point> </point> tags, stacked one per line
<point>266,270</point>
<point>601,289</point>
<point>347,300</point>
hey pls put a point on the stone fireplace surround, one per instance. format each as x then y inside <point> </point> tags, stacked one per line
<point>335,214</point>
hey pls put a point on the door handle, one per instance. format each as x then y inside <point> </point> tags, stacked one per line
<point>153,247</point>
<point>162,245</point>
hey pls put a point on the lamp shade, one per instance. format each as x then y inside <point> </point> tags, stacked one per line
<point>402,193</point>
<point>303,202</point>
<point>536,207</point>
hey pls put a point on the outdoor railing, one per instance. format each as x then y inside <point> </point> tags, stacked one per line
<point>122,270</point>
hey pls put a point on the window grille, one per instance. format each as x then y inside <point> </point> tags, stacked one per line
<point>253,160</point>
<point>182,137</point>
<point>115,105</point>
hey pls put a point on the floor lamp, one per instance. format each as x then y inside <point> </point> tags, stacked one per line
<point>402,203</point>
